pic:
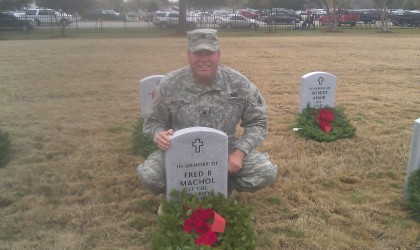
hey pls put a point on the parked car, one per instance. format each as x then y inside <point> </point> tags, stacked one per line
<point>165,19</point>
<point>280,18</point>
<point>343,17</point>
<point>222,14</point>
<point>11,21</point>
<point>289,13</point>
<point>368,16</point>
<point>409,18</point>
<point>238,21</point>
<point>48,17</point>
<point>249,13</point>
<point>316,12</point>
<point>148,17</point>
<point>102,14</point>
<point>202,17</point>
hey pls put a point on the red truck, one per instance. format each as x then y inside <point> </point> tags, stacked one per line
<point>343,17</point>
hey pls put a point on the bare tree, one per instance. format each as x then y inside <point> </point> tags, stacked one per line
<point>337,6</point>
<point>12,4</point>
<point>384,14</point>
<point>182,19</point>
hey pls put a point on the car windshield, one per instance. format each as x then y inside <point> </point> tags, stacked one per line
<point>30,12</point>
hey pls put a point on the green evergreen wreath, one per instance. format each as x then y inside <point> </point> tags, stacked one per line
<point>142,144</point>
<point>413,190</point>
<point>309,128</point>
<point>238,233</point>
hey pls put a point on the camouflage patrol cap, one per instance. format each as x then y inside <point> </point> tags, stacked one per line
<point>203,39</point>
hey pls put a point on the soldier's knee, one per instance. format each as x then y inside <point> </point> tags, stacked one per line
<point>141,172</point>
<point>153,183</point>
<point>271,175</point>
<point>266,177</point>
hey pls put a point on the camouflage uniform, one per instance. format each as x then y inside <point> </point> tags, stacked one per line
<point>181,102</point>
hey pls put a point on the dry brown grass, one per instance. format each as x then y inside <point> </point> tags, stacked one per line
<point>69,105</point>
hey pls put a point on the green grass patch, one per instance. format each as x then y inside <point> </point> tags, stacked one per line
<point>5,143</point>
<point>320,214</point>
<point>382,174</point>
<point>141,223</point>
<point>118,129</point>
<point>288,232</point>
<point>358,197</point>
<point>146,206</point>
<point>151,31</point>
<point>273,200</point>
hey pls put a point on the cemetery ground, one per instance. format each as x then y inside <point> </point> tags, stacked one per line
<point>70,104</point>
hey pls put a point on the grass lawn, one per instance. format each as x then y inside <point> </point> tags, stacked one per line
<point>69,105</point>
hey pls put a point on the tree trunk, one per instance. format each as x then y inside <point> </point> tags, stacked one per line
<point>182,21</point>
<point>336,13</point>
<point>384,15</point>
<point>384,21</point>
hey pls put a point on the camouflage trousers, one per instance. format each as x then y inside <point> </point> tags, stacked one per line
<point>257,172</point>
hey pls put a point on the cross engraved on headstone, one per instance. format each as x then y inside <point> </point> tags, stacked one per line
<point>197,144</point>
<point>320,80</point>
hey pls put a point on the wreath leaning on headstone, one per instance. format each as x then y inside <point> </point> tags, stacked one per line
<point>142,144</point>
<point>324,124</point>
<point>189,222</point>
<point>413,190</point>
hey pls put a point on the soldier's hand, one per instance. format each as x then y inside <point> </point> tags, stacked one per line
<point>162,139</point>
<point>236,159</point>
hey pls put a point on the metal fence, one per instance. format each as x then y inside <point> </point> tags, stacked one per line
<point>79,26</point>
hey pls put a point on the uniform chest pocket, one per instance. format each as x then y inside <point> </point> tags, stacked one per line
<point>234,102</point>
<point>177,106</point>
<point>182,112</point>
<point>232,108</point>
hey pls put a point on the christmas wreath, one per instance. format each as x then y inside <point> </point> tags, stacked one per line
<point>413,190</point>
<point>210,222</point>
<point>324,124</point>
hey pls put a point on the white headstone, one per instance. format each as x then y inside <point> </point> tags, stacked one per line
<point>318,90</point>
<point>146,87</point>
<point>197,161</point>
<point>414,159</point>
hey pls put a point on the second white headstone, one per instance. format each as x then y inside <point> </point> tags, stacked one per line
<point>317,90</point>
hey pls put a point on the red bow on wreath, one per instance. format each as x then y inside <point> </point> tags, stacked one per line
<point>325,118</point>
<point>198,223</point>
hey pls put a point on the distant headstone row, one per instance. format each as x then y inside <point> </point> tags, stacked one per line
<point>198,157</point>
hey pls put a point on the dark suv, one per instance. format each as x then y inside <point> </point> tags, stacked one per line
<point>10,21</point>
<point>408,18</point>
<point>281,18</point>
<point>367,16</point>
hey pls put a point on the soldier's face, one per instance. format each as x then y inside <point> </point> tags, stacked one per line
<point>204,64</point>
